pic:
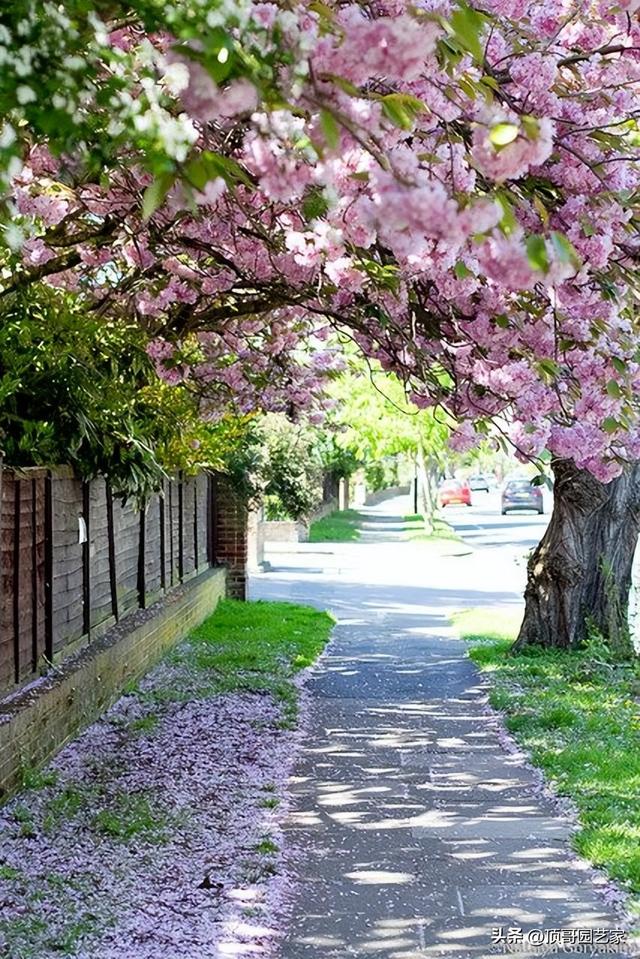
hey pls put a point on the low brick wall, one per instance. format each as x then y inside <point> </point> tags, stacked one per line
<point>291,531</point>
<point>325,509</point>
<point>382,494</point>
<point>36,721</point>
<point>284,531</point>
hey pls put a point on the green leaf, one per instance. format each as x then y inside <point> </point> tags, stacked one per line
<point>402,109</point>
<point>314,204</point>
<point>209,165</point>
<point>323,10</point>
<point>461,270</point>
<point>537,253</point>
<point>565,250</point>
<point>618,364</point>
<point>467,26</point>
<point>155,194</point>
<point>548,367</point>
<point>508,220</point>
<point>502,320</point>
<point>610,425</point>
<point>587,227</point>
<point>219,55</point>
<point>330,129</point>
<point>490,82</point>
<point>531,126</point>
<point>469,86</point>
<point>345,85</point>
<point>385,276</point>
<point>502,134</point>
<point>541,210</point>
<point>613,389</point>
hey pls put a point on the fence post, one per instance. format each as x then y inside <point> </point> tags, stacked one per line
<point>180,530</point>
<point>195,525</point>
<point>231,538</point>
<point>34,577</point>
<point>163,539</point>
<point>171,529</point>
<point>48,566</point>
<point>212,520</point>
<point>111,544</point>
<point>142,572</point>
<point>17,505</point>
<point>86,560</point>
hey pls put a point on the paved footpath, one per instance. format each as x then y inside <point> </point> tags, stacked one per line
<point>419,834</point>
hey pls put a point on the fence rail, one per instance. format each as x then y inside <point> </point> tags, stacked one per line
<point>74,559</point>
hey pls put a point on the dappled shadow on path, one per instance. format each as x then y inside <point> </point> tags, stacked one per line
<point>414,833</point>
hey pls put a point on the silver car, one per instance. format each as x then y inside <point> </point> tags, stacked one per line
<point>521,494</point>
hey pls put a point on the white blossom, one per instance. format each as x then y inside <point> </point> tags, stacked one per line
<point>25,94</point>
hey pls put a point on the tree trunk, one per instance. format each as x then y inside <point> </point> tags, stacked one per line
<point>579,576</point>
<point>426,486</point>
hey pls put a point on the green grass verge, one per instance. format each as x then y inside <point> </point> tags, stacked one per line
<point>578,715</point>
<point>414,527</point>
<point>258,647</point>
<point>341,526</point>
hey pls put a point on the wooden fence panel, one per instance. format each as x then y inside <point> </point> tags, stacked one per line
<point>174,530</point>
<point>153,548</point>
<point>23,635</point>
<point>7,666</point>
<point>200,521</point>
<point>127,535</point>
<point>100,598</point>
<point>188,546</point>
<point>68,570</point>
<point>74,558</point>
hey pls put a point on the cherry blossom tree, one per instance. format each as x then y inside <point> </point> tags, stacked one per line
<point>452,186</point>
<point>579,575</point>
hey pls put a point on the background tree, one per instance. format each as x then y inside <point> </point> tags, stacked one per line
<point>377,420</point>
<point>292,472</point>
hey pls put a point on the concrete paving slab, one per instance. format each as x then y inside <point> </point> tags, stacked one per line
<point>454,823</point>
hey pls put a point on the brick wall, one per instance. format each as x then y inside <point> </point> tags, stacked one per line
<point>231,537</point>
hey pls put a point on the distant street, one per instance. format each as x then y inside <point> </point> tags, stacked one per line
<point>482,524</point>
<point>500,545</point>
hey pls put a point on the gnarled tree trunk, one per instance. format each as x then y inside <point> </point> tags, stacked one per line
<point>579,576</point>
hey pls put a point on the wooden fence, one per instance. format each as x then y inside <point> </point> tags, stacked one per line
<point>74,559</point>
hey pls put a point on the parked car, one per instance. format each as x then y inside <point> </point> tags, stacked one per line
<point>521,494</point>
<point>454,491</point>
<point>479,482</point>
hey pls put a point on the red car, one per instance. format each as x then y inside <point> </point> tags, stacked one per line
<point>454,491</point>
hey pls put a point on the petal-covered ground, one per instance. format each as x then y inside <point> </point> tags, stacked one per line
<point>156,832</point>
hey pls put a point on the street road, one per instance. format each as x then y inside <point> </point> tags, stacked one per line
<point>500,544</point>
<point>482,523</point>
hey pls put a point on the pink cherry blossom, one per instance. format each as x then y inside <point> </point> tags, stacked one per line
<point>470,225</point>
